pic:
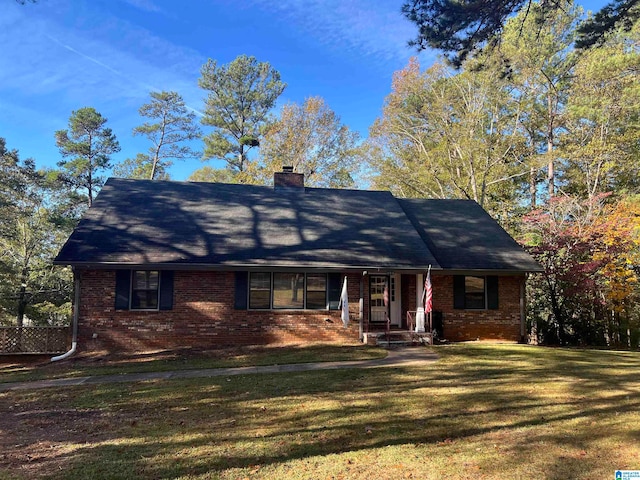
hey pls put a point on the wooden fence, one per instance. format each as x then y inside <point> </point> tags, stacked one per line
<point>17,340</point>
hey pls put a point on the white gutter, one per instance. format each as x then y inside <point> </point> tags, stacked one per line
<point>76,313</point>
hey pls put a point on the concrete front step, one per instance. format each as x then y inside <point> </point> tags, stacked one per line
<point>394,343</point>
<point>405,338</point>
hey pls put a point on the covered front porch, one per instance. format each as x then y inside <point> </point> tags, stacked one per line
<point>389,310</point>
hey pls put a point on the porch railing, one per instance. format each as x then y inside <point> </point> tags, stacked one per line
<point>18,340</point>
<point>411,321</point>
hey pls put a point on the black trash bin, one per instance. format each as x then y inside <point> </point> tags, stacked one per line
<point>436,317</point>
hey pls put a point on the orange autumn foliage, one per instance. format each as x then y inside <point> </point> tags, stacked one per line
<point>619,247</point>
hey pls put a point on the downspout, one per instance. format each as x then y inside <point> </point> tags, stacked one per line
<point>76,314</point>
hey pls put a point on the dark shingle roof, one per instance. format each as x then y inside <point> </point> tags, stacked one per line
<point>143,222</point>
<point>462,236</point>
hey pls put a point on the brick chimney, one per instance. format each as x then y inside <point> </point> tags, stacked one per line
<point>286,178</point>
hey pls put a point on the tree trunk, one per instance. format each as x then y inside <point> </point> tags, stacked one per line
<point>22,298</point>
<point>533,187</point>
<point>557,312</point>
<point>551,176</point>
<point>153,170</point>
<point>241,158</point>
<point>90,172</point>
<point>90,187</point>
<point>156,156</point>
<point>551,173</point>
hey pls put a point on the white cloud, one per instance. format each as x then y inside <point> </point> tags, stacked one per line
<point>53,62</point>
<point>62,55</point>
<point>144,5</point>
<point>379,32</point>
<point>40,58</point>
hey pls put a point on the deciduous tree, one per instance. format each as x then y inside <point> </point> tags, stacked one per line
<point>216,175</point>
<point>449,136</point>
<point>601,144</point>
<point>29,239</point>
<point>312,139</point>
<point>589,250</point>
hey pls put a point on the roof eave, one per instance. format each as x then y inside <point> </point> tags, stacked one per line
<point>275,267</point>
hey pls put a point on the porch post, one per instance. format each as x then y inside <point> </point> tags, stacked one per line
<point>361,312</point>
<point>419,288</point>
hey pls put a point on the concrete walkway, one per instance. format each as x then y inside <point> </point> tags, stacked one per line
<point>397,357</point>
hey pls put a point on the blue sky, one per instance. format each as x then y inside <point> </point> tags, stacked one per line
<point>62,55</point>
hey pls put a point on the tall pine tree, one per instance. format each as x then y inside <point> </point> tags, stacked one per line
<point>240,97</point>
<point>86,147</point>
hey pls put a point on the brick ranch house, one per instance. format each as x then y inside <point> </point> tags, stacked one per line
<point>162,264</point>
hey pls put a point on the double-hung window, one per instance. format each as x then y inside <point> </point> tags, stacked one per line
<point>316,291</point>
<point>472,292</point>
<point>287,290</point>
<point>475,294</point>
<point>145,289</point>
<point>260,290</point>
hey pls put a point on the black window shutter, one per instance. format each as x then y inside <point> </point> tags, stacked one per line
<point>241,290</point>
<point>492,292</point>
<point>123,287</point>
<point>335,289</point>
<point>166,290</point>
<point>458,292</point>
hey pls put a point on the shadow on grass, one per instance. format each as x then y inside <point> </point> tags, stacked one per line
<point>196,427</point>
<point>29,369</point>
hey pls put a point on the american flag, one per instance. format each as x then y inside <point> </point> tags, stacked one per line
<point>428,293</point>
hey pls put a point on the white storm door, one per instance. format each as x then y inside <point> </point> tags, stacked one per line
<point>377,308</point>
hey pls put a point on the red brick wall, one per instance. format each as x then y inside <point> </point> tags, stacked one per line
<point>202,316</point>
<point>461,325</point>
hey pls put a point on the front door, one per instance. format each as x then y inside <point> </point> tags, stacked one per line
<point>377,308</point>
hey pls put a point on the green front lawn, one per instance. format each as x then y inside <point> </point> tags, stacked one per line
<point>81,366</point>
<point>481,411</point>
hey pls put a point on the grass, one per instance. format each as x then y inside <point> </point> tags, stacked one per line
<point>481,411</point>
<point>81,366</point>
